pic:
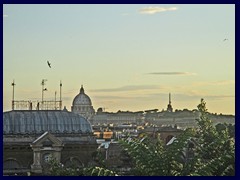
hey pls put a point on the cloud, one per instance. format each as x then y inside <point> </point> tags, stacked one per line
<point>187,96</point>
<point>162,96</point>
<point>226,82</point>
<point>71,91</point>
<point>172,73</point>
<point>218,97</point>
<point>5,15</point>
<point>107,97</point>
<point>127,88</point>
<point>215,83</point>
<point>125,14</point>
<point>153,10</point>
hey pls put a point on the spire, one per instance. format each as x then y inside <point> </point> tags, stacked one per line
<point>169,98</point>
<point>169,107</point>
<point>81,90</point>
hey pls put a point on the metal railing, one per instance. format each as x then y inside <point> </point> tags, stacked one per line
<point>36,105</point>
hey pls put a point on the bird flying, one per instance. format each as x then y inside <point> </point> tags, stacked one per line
<point>225,39</point>
<point>49,64</point>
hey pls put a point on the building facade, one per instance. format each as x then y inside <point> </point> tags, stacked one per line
<point>32,137</point>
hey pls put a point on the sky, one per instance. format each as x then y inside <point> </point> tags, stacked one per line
<point>127,57</point>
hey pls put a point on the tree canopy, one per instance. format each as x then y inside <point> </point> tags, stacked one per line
<point>206,150</point>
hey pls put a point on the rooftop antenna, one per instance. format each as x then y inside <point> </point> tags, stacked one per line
<point>55,99</point>
<point>43,89</point>
<point>13,84</point>
<point>60,95</point>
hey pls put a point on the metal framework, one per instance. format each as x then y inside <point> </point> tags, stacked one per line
<point>36,105</point>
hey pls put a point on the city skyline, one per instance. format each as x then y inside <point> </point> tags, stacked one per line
<point>127,57</point>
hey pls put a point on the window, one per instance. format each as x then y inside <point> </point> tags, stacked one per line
<point>11,164</point>
<point>47,157</point>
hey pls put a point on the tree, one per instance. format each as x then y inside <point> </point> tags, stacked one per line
<point>58,169</point>
<point>204,151</point>
<point>200,152</point>
<point>216,149</point>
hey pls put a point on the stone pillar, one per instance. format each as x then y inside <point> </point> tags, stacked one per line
<point>36,166</point>
<point>57,153</point>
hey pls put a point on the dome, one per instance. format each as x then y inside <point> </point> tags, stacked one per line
<point>37,122</point>
<point>82,99</point>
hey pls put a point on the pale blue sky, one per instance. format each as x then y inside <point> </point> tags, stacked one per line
<point>128,57</point>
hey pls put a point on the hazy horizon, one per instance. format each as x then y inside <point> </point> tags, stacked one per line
<point>127,57</point>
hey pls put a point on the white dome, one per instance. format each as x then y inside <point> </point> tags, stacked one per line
<point>82,99</point>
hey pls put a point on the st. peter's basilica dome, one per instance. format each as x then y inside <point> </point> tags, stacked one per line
<point>82,105</point>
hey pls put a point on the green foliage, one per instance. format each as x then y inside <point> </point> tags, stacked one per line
<point>205,151</point>
<point>99,157</point>
<point>143,154</point>
<point>58,169</point>
<point>98,171</point>
<point>216,148</point>
<point>224,126</point>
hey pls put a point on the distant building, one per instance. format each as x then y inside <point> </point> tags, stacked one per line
<point>166,133</point>
<point>120,117</point>
<point>82,105</point>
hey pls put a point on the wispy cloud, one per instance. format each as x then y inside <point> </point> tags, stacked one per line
<point>71,91</point>
<point>219,97</point>
<point>127,88</point>
<point>173,73</point>
<point>215,83</point>
<point>125,14</point>
<point>226,82</point>
<point>163,96</point>
<point>186,96</point>
<point>26,91</point>
<point>5,15</point>
<point>153,10</point>
<point>110,97</point>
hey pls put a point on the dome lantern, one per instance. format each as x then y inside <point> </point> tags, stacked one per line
<point>82,90</point>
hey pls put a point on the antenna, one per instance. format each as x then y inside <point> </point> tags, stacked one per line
<point>13,84</point>
<point>43,89</point>
<point>55,99</point>
<point>60,95</point>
